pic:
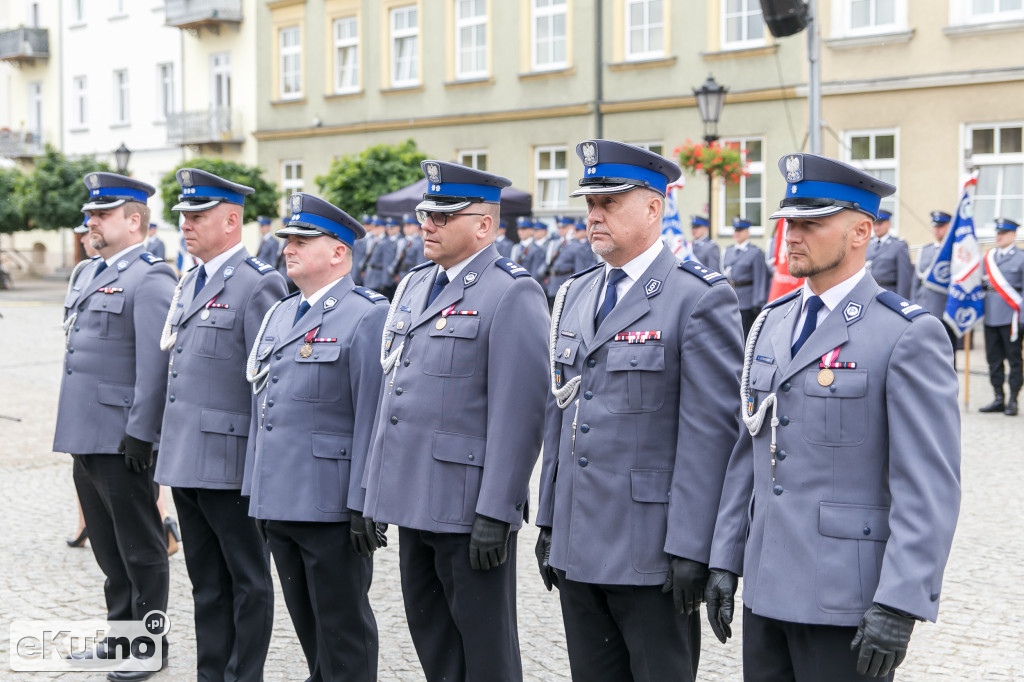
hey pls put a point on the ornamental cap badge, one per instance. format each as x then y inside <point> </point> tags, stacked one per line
<point>93,181</point>
<point>589,154</point>
<point>296,203</point>
<point>433,173</point>
<point>186,178</point>
<point>794,168</point>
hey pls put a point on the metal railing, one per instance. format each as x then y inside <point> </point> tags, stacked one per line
<point>25,43</point>
<point>20,143</point>
<point>214,125</point>
<point>186,13</point>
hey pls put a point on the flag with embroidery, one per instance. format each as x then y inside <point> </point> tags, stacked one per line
<point>965,301</point>
<point>672,227</point>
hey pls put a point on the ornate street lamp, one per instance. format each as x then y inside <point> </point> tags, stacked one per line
<point>710,100</point>
<point>121,156</point>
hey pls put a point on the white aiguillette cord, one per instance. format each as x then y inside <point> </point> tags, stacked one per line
<point>754,421</point>
<point>388,362</point>
<point>167,338</point>
<point>253,372</point>
<point>564,394</point>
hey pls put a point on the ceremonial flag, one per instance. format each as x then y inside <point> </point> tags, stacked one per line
<point>672,226</point>
<point>782,281</point>
<point>965,303</point>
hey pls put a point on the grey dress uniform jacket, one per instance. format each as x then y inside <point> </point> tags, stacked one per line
<point>313,423</point>
<point>155,246</point>
<point>889,263</point>
<point>748,274</point>
<point>504,245</point>
<point>114,371</point>
<point>863,501</point>
<point>562,263</point>
<point>209,402</point>
<point>706,251</point>
<point>633,466</point>
<point>269,250</point>
<point>376,274</point>
<point>461,415</point>
<point>932,301</point>
<point>408,255</point>
<point>997,311</point>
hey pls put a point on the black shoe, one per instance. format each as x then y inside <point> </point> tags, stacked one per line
<point>131,675</point>
<point>1011,409</point>
<point>80,540</point>
<point>994,406</point>
<point>173,535</point>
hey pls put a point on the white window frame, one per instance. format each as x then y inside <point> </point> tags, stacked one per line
<point>289,62</point>
<point>77,11</point>
<point>751,8</point>
<point>407,37</point>
<point>753,168</point>
<point>346,56</point>
<point>473,51</point>
<point>656,146</point>
<point>962,12</point>
<point>122,114</point>
<point>646,51</point>
<point>473,156</point>
<point>842,18</point>
<point>547,15</point>
<point>547,175</point>
<point>292,180</point>
<point>164,90</point>
<point>220,74</point>
<point>989,160</point>
<point>80,102</point>
<point>35,109</point>
<point>873,164</point>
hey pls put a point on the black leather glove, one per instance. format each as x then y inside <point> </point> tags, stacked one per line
<point>543,551</point>
<point>686,581</point>
<point>366,535</point>
<point>720,595</point>
<point>138,454</point>
<point>488,543</point>
<point>882,636</point>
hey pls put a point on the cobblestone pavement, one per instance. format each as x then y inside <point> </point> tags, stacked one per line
<point>978,636</point>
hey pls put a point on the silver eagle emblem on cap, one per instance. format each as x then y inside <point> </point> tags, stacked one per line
<point>296,203</point>
<point>186,178</point>
<point>93,180</point>
<point>589,154</point>
<point>433,172</point>
<point>794,169</point>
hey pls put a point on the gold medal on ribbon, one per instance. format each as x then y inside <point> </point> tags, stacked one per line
<point>205,315</point>
<point>826,377</point>
<point>306,350</point>
<point>440,324</point>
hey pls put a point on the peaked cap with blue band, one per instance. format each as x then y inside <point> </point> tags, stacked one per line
<point>110,190</point>
<point>940,218</point>
<point>818,186</point>
<point>699,221</point>
<point>452,187</point>
<point>1006,225</point>
<point>311,216</point>
<point>611,167</point>
<point>83,228</point>
<point>409,219</point>
<point>523,221</point>
<point>580,225</point>
<point>201,191</point>
<point>883,215</point>
<point>740,224</point>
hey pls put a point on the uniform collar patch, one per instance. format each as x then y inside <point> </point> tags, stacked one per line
<point>470,278</point>
<point>228,271</point>
<point>330,303</point>
<point>852,311</point>
<point>652,287</point>
<point>122,264</point>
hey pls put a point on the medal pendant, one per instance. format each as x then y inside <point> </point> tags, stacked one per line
<point>306,350</point>
<point>826,377</point>
<point>440,324</point>
<point>205,315</point>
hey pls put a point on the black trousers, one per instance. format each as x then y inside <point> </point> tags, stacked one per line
<point>229,567</point>
<point>747,317</point>
<point>779,651</point>
<point>326,587</point>
<point>463,622</point>
<point>999,349</point>
<point>623,633</point>
<point>126,534</point>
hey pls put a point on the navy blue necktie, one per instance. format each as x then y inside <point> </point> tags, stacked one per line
<point>303,309</point>
<point>100,268</point>
<point>611,297</point>
<point>200,281</point>
<point>439,284</point>
<point>814,304</point>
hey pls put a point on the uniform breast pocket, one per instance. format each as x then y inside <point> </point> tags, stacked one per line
<point>451,351</point>
<point>836,414</point>
<point>332,458</point>
<point>214,337</point>
<point>455,476</point>
<point>636,378</point>
<point>106,316</point>
<point>316,380</point>
<point>852,545</point>
<point>224,435</point>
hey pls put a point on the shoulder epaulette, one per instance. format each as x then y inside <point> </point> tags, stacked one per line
<point>892,300</point>
<point>370,294</point>
<point>424,264</point>
<point>584,271</point>
<point>511,267</point>
<point>785,298</point>
<point>258,265</point>
<point>150,258</point>
<point>706,275</point>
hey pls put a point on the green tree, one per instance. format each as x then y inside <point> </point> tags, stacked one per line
<point>53,194</point>
<point>12,214</point>
<point>261,202</point>
<point>355,181</point>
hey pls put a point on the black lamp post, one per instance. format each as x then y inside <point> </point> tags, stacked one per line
<point>710,100</point>
<point>121,156</point>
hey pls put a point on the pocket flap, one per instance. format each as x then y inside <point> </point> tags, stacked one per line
<point>853,521</point>
<point>107,303</point>
<point>332,445</point>
<point>637,356</point>
<point>565,350</point>
<point>458,327</point>
<point>761,376</point>
<point>459,449</point>
<point>847,383</point>
<point>219,318</point>
<point>322,352</point>
<point>227,423</point>
<point>650,485</point>
<point>117,395</point>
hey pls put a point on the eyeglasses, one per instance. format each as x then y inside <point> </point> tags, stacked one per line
<point>439,219</point>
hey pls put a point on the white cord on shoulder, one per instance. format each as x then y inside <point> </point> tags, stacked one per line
<point>755,420</point>
<point>563,394</point>
<point>253,372</point>
<point>167,339</point>
<point>73,316</point>
<point>388,362</point>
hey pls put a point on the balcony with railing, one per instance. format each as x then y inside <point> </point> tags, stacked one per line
<point>197,14</point>
<point>20,144</point>
<point>217,125</point>
<point>24,45</point>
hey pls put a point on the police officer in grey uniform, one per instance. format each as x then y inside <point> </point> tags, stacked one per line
<point>380,258</point>
<point>212,322</point>
<point>747,271</point>
<point>888,258</point>
<point>154,244</point>
<point>842,494</point>
<point>704,249</point>
<point>583,255</point>
<point>1004,286</point>
<point>521,251</point>
<point>269,248</point>
<point>111,398</point>
<point>923,293</point>
<point>359,249</point>
<point>635,446</point>
<point>535,262</point>
<point>410,249</point>
<point>502,243</point>
<point>560,257</point>
<point>316,365</point>
<point>459,429</point>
